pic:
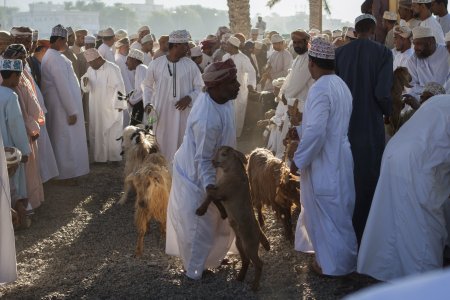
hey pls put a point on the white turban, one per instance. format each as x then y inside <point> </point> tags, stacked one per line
<point>276,38</point>
<point>91,54</point>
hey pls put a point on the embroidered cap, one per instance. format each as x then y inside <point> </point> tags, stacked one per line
<point>234,41</point>
<point>390,15</point>
<point>147,38</point>
<point>120,34</point>
<point>365,17</point>
<point>196,51</point>
<point>255,31</point>
<point>60,31</point>
<point>321,49</point>
<point>137,54</point>
<point>433,88</point>
<point>89,39</point>
<point>11,65</point>
<point>422,1</point>
<point>421,32</point>
<point>108,32</point>
<point>70,31</point>
<point>143,28</point>
<point>35,36</point>
<point>91,54</point>
<point>276,38</point>
<point>179,37</point>
<point>403,31</point>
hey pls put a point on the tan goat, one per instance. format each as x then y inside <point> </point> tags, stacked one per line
<point>273,185</point>
<point>152,182</point>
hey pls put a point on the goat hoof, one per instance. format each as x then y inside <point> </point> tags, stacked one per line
<point>200,211</point>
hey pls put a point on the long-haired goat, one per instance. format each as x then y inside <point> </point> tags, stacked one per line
<point>137,144</point>
<point>152,182</point>
<point>273,185</point>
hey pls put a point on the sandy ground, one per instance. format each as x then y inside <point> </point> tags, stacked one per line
<point>81,245</point>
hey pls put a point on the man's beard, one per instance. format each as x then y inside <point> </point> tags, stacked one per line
<point>300,50</point>
<point>416,14</point>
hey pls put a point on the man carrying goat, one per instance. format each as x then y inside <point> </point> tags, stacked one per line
<point>202,242</point>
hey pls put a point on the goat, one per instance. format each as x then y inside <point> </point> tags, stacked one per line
<point>402,78</point>
<point>231,194</point>
<point>136,145</point>
<point>273,185</point>
<point>152,182</point>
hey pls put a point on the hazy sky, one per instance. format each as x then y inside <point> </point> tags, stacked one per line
<point>341,9</point>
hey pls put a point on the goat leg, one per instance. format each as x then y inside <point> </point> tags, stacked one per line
<point>201,210</point>
<point>223,212</point>
<point>244,258</point>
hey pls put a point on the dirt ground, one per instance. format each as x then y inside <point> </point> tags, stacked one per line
<point>81,244</point>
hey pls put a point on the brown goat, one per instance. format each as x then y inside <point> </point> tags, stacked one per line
<point>231,194</point>
<point>273,185</point>
<point>402,78</point>
<point>152,183</point>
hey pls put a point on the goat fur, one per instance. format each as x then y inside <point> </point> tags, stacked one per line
<point>152,182</point>
<point>273,185</point>
<point>137,145</point>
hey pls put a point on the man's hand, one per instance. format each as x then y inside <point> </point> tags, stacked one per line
<point>35,137</point>
<point>183,103</point>
<point>120,110</point>
<point>148,109</point>
<point>411,101</point>
<point>85,81</point>
<point>71,120</point>
<point>294,168</point>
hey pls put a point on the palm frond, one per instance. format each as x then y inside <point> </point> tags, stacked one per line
<point>271,3</point>
<point>326,7</point>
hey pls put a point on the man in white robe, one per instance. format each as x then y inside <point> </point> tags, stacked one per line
<point>147,48</point>
<point>135,62</point>
<point>12,125</point>
<point>298,82</point>
<point>247,79</point>
<point>439,9</point>
<point>8,266</point>
<point>123,47</point>
<point>279,62</point>
<point>325,162</point>
<point>429,63</point>
<point>202,242</point>
<point>142,31</point>
<point>422,11</point>
<point>402,42</point>
<point>407,227</point>
<point>172,85</point>
<point>65,118</point>
<point>106,48</point>
<point>103,81</point>
<point>208,46</point>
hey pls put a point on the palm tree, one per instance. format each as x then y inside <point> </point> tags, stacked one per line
<point>315,11</point>
<point>239,15</point>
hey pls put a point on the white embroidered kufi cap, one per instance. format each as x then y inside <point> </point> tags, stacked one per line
<point>337,33</point>
<point>147,38</point>
<point>321,49</point>
<point>421,32</point>
<point>120,34</point>
<point>108,32</point>
<point>433,88</point>
<point>122,42</point>
<point>89,39</point>
<point>365,17</point>
<point>179,37</point>
<point>255,31</point>
<point>11,65</point>
<point>196,51</point>
<point>276,38</point>
<point>60,31</point>
<point>137,54</point>
<point>35,35</point>
<point>258,45</point>
<point>143,28</point>
<point>422,1</point>
<point>390,15</point>
<point>91,54</point>
<point>403,31</point>
<point>134,36</point>
<point>314,31</point>
<point>234,41</point>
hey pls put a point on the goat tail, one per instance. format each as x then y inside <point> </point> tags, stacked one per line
<point>263,240</point>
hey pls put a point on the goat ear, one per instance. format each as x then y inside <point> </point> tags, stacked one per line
<point>241,157</point>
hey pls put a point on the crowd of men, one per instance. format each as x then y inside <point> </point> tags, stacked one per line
<point>65,101</point>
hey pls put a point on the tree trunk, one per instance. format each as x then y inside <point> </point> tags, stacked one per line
<point>315,14</point>
<point>239,15</point>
